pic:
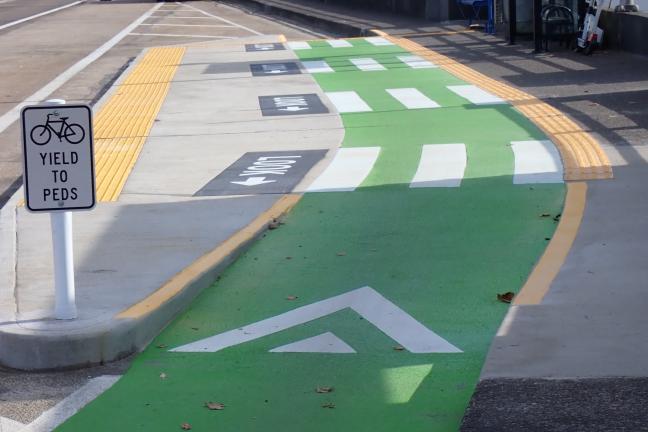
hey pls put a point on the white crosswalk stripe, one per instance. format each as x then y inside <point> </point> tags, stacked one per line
<point>441,165</point>
<point>367,64</point>
<point>476,95</point>
<point>298,45</point>
<point>339,43</point>
<point>416,62</point>
<point>317,66</point>
<point>347,171</point>
<point>412,98</point>
<point>348,102</point>
<point>536,162</point>
<point>378,41</point>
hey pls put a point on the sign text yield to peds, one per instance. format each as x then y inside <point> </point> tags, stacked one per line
<point>58,157</point>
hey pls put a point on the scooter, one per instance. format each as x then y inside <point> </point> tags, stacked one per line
<point>592,35</point>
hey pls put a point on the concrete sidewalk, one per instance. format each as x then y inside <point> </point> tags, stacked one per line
<point>133,275</point>
<point>588,335</point>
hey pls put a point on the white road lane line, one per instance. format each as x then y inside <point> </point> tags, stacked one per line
<point>13,114</point>
<point>416,62</point>
<point>192,17</point>
<point>441,165</point>
<point>367,64</point>
<point>476,95</point>
<point>536,162</point>
<point>190,25</point>
<point>221,19</point>
<point>378,41</point>
<point>412,98</point>
<point>348,102</point>
<point>38,15</point>
<point>298,45</point>
<point>317,66</point>
<point>180,16</point>
<point>347,170</point>
<point>69,406</point>
<point>181,35</point>
<point>339,43</point>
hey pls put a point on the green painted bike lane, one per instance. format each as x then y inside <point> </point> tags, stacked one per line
<point>439,254</point>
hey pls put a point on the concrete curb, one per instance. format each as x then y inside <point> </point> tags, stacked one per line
<point>120,337</point>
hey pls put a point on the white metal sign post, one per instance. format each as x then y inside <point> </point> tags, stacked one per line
<point>58,177</point>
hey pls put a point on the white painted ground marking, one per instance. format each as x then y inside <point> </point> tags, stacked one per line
<point>416,62</point>
<point>180,16</point>
<point>298,45</point>
<point>441,165</point>
<point>69,406</point>
<point>476,95</point>
<point>190,25</point>
<point>14,113</point>
<point>367,64</point>
<point>347,170</point>
<point>373,307</point>
<point>378,41</point>
<point>536,162</point>
<point>348,102</point>
<point>324,343</point>
<point>317,66</point>
<point>182,35</point>
<point>411,98</point>
<point>8,425</point>
<point>339,43</point>
<point>221,19</point>
<point>38,15</point>
<point>253,181</point>
<point>188,17</point>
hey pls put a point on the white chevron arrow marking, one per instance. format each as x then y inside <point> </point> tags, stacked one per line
<point>373,307</point>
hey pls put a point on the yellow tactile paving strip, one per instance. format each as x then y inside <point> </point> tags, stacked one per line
<point>583,158</point>
<point>124,122</point>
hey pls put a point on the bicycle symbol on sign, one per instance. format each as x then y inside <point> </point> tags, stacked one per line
<point>72,132</point>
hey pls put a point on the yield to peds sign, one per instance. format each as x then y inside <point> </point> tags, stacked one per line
<point>58,157</point>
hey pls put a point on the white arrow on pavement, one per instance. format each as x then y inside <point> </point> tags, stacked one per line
<point>389,318</point>
<point>292,108</point>
<point>253,181</point>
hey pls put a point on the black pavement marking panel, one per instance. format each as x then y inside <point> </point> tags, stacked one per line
<point>273,69</point>
<point>272,172</point>
<point>297,104</point>
<point>264,47</point>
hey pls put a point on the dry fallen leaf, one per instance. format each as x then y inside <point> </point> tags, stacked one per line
<point>185,426</point>
<point>217,406</point>
<point>324,389</point>
<point>398,348</point>
<point>292,297</point>
<point>163,375</point>
<point>507,297</point>
<point>328,405</point>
